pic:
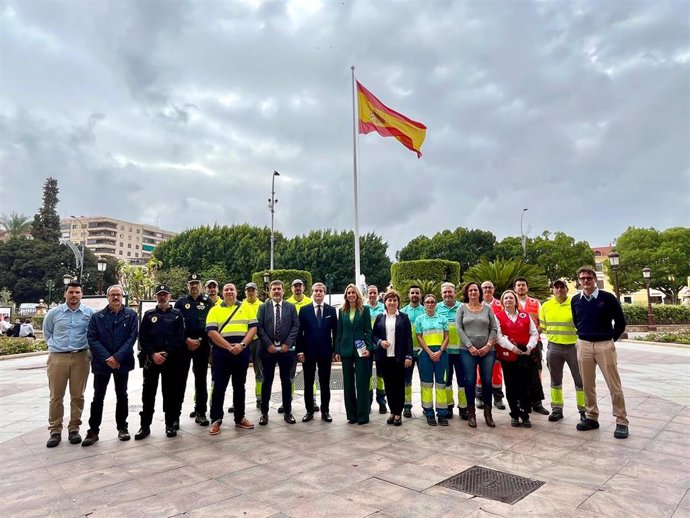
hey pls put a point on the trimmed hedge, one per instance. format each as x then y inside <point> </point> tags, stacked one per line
<point>681,337</point>
<point>425,270</point>
<point>636,314</point>
<point>287,276</point>
<point>14,345</point>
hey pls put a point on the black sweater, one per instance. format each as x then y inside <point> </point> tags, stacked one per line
<point>599,319</point>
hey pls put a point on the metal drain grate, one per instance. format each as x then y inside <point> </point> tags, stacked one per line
<point>492,484</point>
<point>336,380</point>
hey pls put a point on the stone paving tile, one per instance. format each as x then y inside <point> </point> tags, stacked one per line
<point>685,502</point>
<point>666,476</point>
<point>410,476</point>
<point>650,491</point>
<point>681,513</point>
<point>613,504</point>
<point>238,507</point>
<point>331,506</point>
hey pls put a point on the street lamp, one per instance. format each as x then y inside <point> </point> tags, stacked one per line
<point>267,280</point>
<point>647,274</point>
<point>272,207</point>
<point>66,279</point>
<point>614,260</point>
<point>82,242</point>
<point>102,265</point>
<point>523,236</point>
<point>50,285</point>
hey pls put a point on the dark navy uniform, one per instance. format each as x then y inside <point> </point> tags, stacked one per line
<point>195,312</point>
<point>161,331</point>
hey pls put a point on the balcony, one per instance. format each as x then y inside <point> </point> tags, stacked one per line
<point>103,224</point>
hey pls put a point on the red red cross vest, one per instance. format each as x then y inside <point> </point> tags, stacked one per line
<point>517,332</point>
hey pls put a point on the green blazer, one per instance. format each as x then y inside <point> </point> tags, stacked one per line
<point>349,331</point>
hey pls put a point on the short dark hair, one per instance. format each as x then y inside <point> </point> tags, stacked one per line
<point>466,289</point>
<point>414,286</point>
<point>518,279</point>
<point>586,269</point>
<point>391,294</point>
<point>73,284</point>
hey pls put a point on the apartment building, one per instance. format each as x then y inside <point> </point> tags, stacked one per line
<point>130,242</point>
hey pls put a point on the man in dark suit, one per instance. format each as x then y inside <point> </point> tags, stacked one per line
<point>278,329</point>
<point>317,328</point>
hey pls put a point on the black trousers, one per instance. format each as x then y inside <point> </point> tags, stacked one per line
<point>226,366</point>
<point>284,361</point>
<point>198,359</point>
<point>517,376</point>
<point>536,386</point>
<point>309,369</point>
<point>169,372</point>
<point>100,385</point>
<point>394,380</point>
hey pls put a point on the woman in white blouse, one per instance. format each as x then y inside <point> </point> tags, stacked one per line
<point>517,336</point>
<point>392,337</point>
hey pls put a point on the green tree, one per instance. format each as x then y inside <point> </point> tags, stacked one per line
<point>666,253</point>
<point>6,297</point>
<point>46,225</point>
<point>463,245</point>
<point>175,278</point>
<point>16,225</point>
<point>503,272</point>
<point>138,281</point>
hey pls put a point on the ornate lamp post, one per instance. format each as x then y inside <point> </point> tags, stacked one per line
<point>101,264</point>
<point>267,280</point>
<point>66,279</point>
<point>614,261</point>
<point>50,285</point>
<point>651,326</point>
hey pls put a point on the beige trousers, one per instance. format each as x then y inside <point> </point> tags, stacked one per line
<point>63,368</point>
<point>603,354</point>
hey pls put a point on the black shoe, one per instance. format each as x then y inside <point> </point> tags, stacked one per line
<point>583,417</point>
<point>176,425</point>
<point>143,433</point>
<point>263,420</point>
<point>449,413</point>
<point>289,419</point>
<point>351,421</point>
<point>621,431</point>
<point>514,421</point>
<point>91,437</point>
<point>307,417</point>
<point>390,420</point>
<point>556,415</point>
<point>54,440</point>
<point>397,421</point>
<point>383,409</point>
<point>407,413</point>
<point>325,416</point>
<point>316,407</point>
<point>192,415</point>
<point>462,412</point>
<point>258,405</point>
<point>201,420</point>
<point>442,421</point>
<point>431,420</point>
<point>587,424</point>
<point>526,422</point>
<point>281,409</point>
<point>170,431</point>
<point>74,437</point>
<point>479,403</point>
<point>539,409</point>
<point>123,434</point>
<point>231,410</point>
<point>498,403</point>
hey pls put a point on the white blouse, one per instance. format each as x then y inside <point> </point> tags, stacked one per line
<point>390,334</point>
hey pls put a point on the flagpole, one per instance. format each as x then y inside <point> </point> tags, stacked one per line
<point>354,164</point>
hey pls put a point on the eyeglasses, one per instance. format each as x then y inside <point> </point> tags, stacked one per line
<point>586,278</point>
<point>430,302</point>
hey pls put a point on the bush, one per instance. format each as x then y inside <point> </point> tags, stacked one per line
<point>287,276</point>
<point>636,315</point>
<point>681,337</point>
<point>13,345</point>
<point>425,270</point>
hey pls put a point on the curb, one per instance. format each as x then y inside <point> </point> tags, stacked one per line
<point>660,344</point>
<point>22,355</point>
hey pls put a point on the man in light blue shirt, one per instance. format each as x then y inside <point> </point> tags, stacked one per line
<point>69,359</point>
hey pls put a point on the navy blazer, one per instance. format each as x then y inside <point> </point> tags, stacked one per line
<point>403,337</point>
<point>288,329</point>
<point>112,335</point>
<point>316,342</point>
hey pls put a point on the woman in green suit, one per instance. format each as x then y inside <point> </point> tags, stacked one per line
<point>353,346</point>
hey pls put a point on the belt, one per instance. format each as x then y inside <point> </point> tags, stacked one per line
<point>70,352</point>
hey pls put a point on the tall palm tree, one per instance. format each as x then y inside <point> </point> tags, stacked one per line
<point>16,225</point>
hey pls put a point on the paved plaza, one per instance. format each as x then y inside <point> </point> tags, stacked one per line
<point>320,469</point>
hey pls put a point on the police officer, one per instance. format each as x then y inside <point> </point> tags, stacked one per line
<point>194,308</point>
<point>161,339</point>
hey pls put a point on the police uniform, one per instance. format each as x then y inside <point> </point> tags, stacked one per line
<point>161,331</point>
<point>195,312</point>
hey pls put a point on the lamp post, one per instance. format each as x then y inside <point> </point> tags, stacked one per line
<point>272,207</point>
<point>102,265</point>
<point>267,280</point>
<point>82,242</point>
<point>647,274</point>
<point>523,237</point>
<point>50,285</point>
<point>614,261</point>
<point>66,279</point>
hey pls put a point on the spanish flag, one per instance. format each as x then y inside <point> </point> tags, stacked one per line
<point>376,116</point>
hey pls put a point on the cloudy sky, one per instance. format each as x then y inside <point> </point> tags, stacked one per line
<point>178,112</point>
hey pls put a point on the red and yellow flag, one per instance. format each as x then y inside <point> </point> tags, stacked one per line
<point>376,116</point>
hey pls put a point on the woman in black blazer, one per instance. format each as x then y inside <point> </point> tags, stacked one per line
<point>392,336</point>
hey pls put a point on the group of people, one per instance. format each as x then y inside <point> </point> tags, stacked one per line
<point>480,342</point>
<point>20,329</point>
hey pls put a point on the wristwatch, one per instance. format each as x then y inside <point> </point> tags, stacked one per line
<point>243,345</point>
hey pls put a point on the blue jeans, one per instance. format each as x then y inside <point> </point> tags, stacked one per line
<point>469,365</point>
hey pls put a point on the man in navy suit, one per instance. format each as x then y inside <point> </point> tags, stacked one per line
<point>317,327</point>
<point>278,328</point>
